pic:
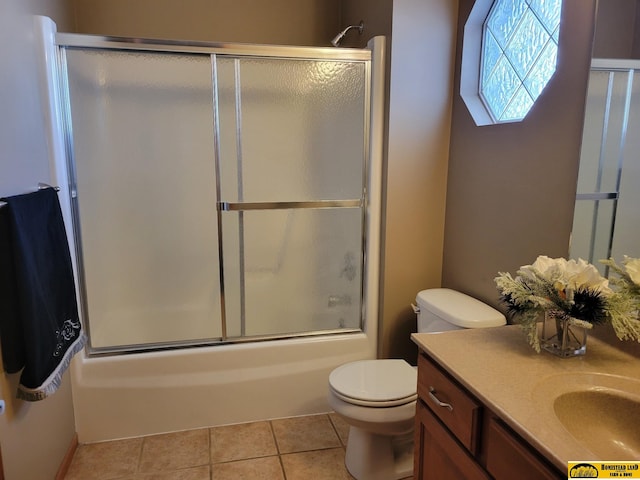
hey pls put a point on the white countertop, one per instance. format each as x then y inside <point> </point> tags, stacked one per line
<point>498,366</point>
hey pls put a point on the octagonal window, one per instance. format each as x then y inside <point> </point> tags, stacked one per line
<point>509,55</point>
<point>518,55</point>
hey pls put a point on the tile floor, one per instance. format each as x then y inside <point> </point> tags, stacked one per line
<point>297,448</point>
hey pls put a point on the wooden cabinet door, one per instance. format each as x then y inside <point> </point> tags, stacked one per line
<point>438,455</point>
<point>508,457</point>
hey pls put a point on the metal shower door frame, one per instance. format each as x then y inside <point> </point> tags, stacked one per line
<point>622,68</point>
<point>66,41</point>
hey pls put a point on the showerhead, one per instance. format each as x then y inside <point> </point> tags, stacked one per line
<point>338,38</point>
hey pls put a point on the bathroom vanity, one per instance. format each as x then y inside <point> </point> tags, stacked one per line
<point>491,407</point>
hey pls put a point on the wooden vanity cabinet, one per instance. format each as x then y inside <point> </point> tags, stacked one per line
<point>458,437</point>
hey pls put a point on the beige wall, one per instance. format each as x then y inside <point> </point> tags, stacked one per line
<point>422,54</point>
<point>511,187</point>
<point>377,16</point>
<point>34,437</point>
<point>282,22</point>
<point>615,35</point>
<point>419,95</point>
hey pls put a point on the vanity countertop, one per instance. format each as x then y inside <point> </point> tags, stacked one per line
<point>498,366</point>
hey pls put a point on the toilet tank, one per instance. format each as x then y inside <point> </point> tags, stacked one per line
<point>442,309</point>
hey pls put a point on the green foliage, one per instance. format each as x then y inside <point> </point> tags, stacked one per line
<point>575,292</point>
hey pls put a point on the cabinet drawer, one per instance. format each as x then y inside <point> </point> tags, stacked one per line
<point>438,456</point>
<point>457,410</point>
<point>507,454</point>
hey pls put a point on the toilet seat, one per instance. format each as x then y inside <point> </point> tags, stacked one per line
<point>375,383</point>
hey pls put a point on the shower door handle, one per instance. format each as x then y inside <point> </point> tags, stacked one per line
<point>243,206</point>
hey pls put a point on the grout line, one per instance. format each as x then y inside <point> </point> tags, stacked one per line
<point>284,472</point>
<point>335,429</point>
<point>236,460</point>
<point>275,437</point>
<point>209,443</point>
<point>139,463</point>
<point>209,435</point>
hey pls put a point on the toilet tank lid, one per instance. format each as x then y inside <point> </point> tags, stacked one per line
<point>459,309</point>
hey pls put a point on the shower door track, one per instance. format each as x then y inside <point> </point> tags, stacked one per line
<point>75,40</point>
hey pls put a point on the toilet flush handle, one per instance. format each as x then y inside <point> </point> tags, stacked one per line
<point>436,400</point>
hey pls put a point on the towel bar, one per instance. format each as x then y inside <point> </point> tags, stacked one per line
<point>41,186</point>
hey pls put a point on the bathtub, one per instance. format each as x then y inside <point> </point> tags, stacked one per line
<point>155,392</point>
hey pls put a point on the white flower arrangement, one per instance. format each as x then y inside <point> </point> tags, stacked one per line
<point>573,291</point>
<point>628,275</point>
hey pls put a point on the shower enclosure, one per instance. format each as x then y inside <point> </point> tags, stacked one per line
<point>606,213</point>
<point>220,195</point>
<point>219,192</point>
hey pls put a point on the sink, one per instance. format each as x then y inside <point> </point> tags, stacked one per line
<point>597,412</point>
<point>604,421</point>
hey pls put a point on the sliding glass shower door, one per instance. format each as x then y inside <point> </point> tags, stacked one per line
<point>606,210</point>
<point>292,170</point>
<point>143,137</point>
<point>218,196</point>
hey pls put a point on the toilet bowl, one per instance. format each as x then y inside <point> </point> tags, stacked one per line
<point>377,398</point>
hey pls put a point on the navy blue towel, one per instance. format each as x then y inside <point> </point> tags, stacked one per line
<point>40,330</point>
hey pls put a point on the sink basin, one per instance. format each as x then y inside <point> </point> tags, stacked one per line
<point>594,416</point>
<point>603,421</point>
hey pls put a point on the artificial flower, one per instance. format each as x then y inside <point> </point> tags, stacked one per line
<point>572,290</point>
<point>632,267</point>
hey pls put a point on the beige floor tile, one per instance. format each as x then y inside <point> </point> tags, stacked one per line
<point>243,441</point>
<point>106,460</point>
<point>172,451</point>
<point>318,465</point>
<point>299,434</point>
<point>265,468</point>
<point>196,473</point>
<point>341,427</point>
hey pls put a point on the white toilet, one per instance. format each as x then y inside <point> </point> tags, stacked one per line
<point>377,398</point>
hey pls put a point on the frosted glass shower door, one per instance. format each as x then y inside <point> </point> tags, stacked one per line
<point>292,168</point>
<point>606,211</point>
<point>145,181</point>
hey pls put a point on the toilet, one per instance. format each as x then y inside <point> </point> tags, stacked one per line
<point>377,398</point>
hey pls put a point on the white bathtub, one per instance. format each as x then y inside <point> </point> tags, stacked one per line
<point>142,394</point>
